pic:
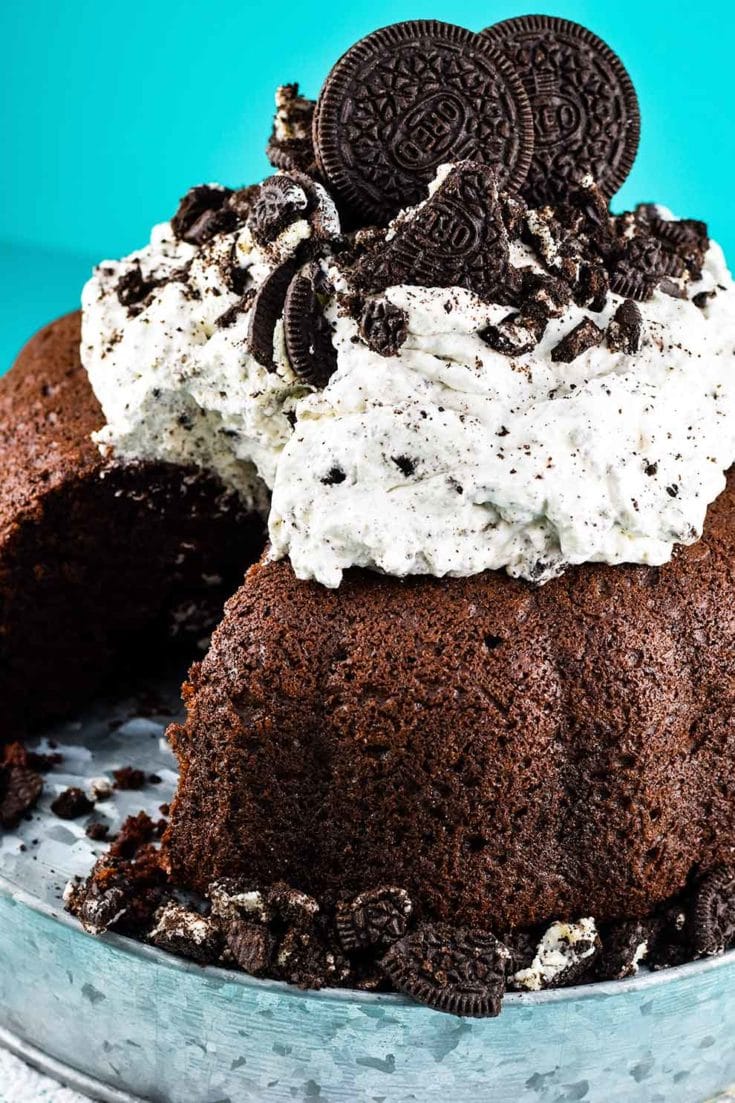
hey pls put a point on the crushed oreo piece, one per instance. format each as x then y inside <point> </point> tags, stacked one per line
<point>290,145</point>
<point>20,788</point>
<point>251,945</point>
<point>564,956</point>
<point>308,336</point>
<point>624,946</point>
<point>703,298</point>
<point>515,335</point>
<point>450,969</point>
<point>544,296</point>
<point>456,239</point>
<point>133,288</point>
<point>179,930</point>
<point>625,331</point>
<point>410,97</point>
<point>233,899</point>
<point>267,308</point>
<point>71,804</point>
<point>203,213</point>
<point>383,326</point>
<point>279,203</point>
<point>591,287</point>
<point>586,113</point>
<point>640,264</point>
<point>584,336</point>
<point>376,918</point>
<point>712,913</point>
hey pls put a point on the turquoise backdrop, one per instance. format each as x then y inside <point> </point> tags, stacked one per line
<point>109,110</point>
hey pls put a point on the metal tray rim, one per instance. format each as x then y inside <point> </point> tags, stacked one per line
<point>599,990</point>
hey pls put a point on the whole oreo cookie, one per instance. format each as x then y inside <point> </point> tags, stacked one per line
<point>586,114</point>
<point>409,98</point>
<point>308,336</point>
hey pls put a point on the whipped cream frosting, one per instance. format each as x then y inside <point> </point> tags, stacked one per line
<point>174,383</point>
<point>451,459</point>
<point>448,458</point>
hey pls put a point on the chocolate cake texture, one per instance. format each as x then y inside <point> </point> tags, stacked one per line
<point>504,753</point>
<point>100,562</point>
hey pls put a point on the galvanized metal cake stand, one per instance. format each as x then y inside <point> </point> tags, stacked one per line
<point>121,1021</point>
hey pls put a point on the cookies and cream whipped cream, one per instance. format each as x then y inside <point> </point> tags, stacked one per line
<point>505,389</point>
<point>165,336</point>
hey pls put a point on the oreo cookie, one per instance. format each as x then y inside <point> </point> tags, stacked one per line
<point>279,203</point>
<point>639,265</point>
<point>284,199</point>
<point>203,212</point>
<point>515,335</point>
<point>180,930</point>
<point>584,336</point>
<point>383,326</point>
<point>411,97</point>
<point>457,238</point>
<point>378,917</point>
<point>311,353</point>
<point>585,109</point>
<point>290,146</point>
<point>267,308</point>
<point>712,913</point>
<point>451,969</point>
<point>625,331</point>
<point>251,946</point>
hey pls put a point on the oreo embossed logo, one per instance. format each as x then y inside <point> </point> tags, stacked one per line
<point>585,110</point>
<point>408,98</point>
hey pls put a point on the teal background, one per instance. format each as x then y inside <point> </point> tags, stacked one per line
<point>109,110</point>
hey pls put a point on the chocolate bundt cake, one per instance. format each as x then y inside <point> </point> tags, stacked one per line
<point>100,562</point>
<point>506,754</point>
<point>470,719</point>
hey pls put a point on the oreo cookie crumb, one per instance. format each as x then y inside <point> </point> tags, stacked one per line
<point>200,213</point>
<point>584,336</point>
<point>625,331</point>
<point>251,946</point>
<point>376,918</point>
<point>383,327</point>
<point>334,477</point>
<point>515,335</point>
<point>180,930</point>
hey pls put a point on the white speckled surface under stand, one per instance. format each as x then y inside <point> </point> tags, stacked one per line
<point>120,1021</point>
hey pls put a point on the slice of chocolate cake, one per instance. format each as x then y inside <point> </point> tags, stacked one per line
<point>101,563</point>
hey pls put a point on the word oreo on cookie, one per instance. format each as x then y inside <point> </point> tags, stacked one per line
<point>585,110</point>
<point>409,98</point>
